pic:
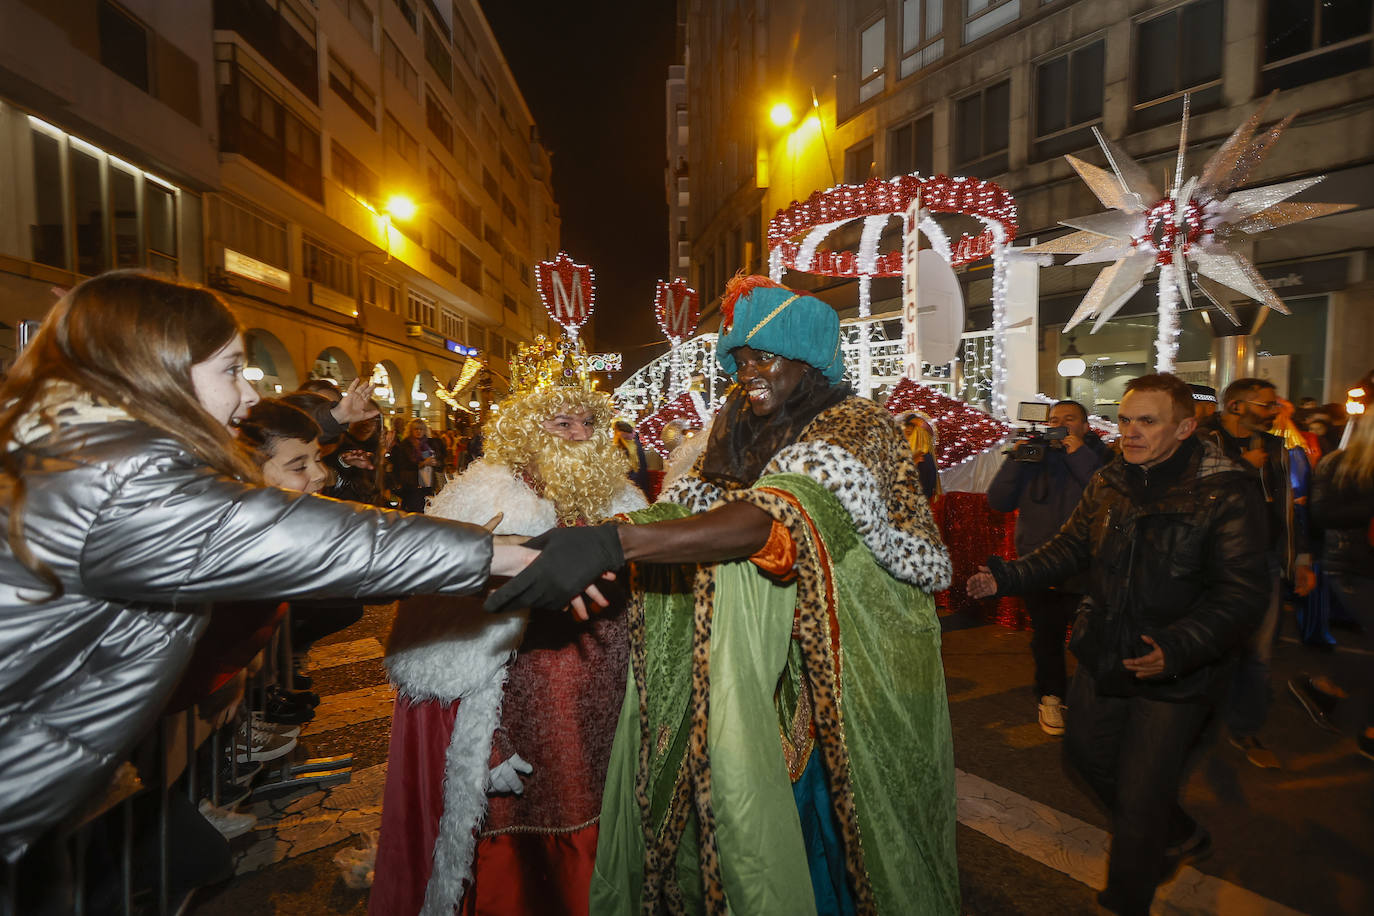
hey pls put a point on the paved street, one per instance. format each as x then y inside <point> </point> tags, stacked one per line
<point>1299,839</point>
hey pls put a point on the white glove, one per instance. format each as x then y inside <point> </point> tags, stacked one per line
<point>504,778</point>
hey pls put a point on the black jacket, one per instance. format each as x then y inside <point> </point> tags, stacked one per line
<point>1045,492</point>
<point>1175,552</point>
<point>1287,540</point>
<point>1344,513</point>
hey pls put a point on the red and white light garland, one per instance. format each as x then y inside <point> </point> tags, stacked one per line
<point>794,234</point>
<point>689,406</point>
<point>963,431</point>
<point>567,290</point>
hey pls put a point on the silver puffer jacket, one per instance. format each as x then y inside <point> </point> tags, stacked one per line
<point>142,534</point>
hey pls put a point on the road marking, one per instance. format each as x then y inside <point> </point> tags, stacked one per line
<point>1079,850</point>
<point>343,653</point>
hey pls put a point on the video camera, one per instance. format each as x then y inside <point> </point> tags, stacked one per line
<point>1036,443</point>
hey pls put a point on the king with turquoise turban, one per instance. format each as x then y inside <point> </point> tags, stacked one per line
<point>784,745</point>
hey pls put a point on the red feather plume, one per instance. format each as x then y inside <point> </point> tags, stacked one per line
<point>739,286</point>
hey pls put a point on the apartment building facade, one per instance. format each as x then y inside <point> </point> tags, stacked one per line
<point>361,179</point>
<point>1003,89</point>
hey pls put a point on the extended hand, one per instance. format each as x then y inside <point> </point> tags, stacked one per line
<point>569,563</point>
<point>356,403</point>
<point>358,458</point>
<point>510,559</point>
<point>1147,665</point>
<point>982,584</point>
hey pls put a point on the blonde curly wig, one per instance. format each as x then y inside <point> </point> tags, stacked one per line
<point>579,478</point>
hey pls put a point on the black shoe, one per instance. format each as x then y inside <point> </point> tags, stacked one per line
<point>1194,849</point>
<point>301,681</point>
<point>305,698</point>
<point>283,709</point>
<point>1318,703</point>
<point>246,772</point>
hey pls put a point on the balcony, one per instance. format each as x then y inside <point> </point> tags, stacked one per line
<point>264,28</point>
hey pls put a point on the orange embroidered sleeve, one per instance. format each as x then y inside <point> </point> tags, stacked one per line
<point>778,555</point>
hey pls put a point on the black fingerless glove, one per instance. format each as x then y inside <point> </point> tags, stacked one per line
<point>569,560</point>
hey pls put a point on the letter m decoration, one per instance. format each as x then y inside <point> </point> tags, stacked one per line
<point>567,291</point>
<point>677,306</point>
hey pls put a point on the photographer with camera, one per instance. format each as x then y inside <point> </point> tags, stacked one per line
<point>1043,478</point>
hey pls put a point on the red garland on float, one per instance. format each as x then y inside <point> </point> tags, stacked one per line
<point>567,290</point>
<point>963,430</point>
<point>677,307</point>
<point>650,427</point>
<point>890,197</point>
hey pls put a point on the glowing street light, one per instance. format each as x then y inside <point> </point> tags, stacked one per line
<point>780,114</point>
<point>400,207</point>
<point>253,373</point>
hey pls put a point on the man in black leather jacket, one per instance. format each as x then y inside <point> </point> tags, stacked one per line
<point>1172,540</point>
<point>1043,494</point>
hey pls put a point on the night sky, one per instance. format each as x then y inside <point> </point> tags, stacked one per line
<point>593,76</point>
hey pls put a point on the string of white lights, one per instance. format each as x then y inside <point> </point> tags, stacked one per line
<point>1166,342</point>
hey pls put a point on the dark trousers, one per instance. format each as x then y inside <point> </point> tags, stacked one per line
<point>1132,751</point>
<point>1051,613</point>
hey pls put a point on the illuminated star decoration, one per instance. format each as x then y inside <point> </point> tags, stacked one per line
<point>1186,232</point>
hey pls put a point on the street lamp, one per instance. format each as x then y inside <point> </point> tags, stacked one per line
<point>780,114</point>
<point>398,207</point>
<point>1072,365</point>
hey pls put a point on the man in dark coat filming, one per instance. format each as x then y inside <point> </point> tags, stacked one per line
<point>1043,488</point>
<point>1172,540</point>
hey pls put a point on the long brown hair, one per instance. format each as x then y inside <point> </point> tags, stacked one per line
<point>129,338</point>
<point>1356,468</point>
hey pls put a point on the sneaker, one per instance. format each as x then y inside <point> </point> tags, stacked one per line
<point>262,745</point>
<point>240,775</point>
<point>1257,753</point>
<point>1318,703</point>
<point>1052,715</point>
<point>229,823</point>
<point>277,728</point>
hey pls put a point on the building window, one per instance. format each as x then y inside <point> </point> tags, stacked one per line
<point>123,44</point>
<point>451,325</point>
<point>465,153</point>
<point>438,121</point>
<point>465,97</point>
<point>407,8</point>
<point>491,236</point>
<point>470,268</point>
<point>923,43</point>
<point>399,67</point>
<point>1068,101</point>
<point>982,124</point>
<point>438,56</point>
<point>355,93</point>
<point>470,215</point>
<point>443,187</point>
<point>1178,52</point>
<point>443,248</point>
<point>490,186</point>
<point>911,147</point>
<point>872,55</point>
<point>248,232</point>
<point>160,221</point>
<point>420,309</point>
<point>360,15</point>
<point>326,267</point>
<point>48,232</point>
<point>1309,40</point>
<point>858,163</point>
<point>381,293</point>
<point>354,177</point>
<point>399,140</point>
<point>89,205</point>
<point>508,209</point>
<point>984,16</point>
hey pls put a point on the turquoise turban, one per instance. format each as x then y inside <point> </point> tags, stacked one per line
<point>780,321</point>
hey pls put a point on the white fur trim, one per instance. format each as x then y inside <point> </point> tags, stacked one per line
<point>629,499</point>
<point>485,489</point>
<point>920,560</point>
